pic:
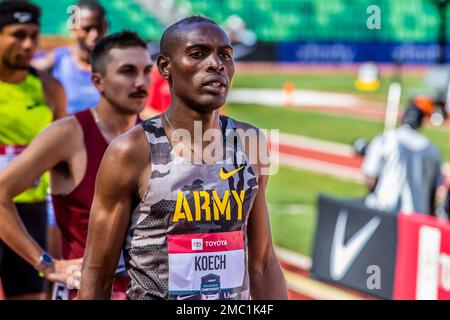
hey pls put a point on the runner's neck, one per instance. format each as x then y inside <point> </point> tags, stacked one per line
<point>182,117</point>
<point>81,59</point>
<point>114,122</point>
<point>13,76</point>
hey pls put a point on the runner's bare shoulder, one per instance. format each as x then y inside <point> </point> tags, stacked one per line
<point>131,148</point>
<point>66,131</point>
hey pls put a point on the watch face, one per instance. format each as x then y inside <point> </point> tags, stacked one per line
<point>47,259</point>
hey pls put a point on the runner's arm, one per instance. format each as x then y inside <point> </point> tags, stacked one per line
<point>45,63</point>
<point>41,155</point>
<point>116,186</point>
<point>371,183</point>
<point>266,278</point>
<point>373,163</point>
<point>438,181</point>
<point>55,95</point>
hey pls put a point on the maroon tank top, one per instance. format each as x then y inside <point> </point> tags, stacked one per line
<point>72,210</point>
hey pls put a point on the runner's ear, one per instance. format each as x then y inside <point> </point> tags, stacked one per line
<point>97,80</point>
<point>163,66</point>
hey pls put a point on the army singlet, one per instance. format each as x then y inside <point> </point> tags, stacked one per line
<point>188,236</point>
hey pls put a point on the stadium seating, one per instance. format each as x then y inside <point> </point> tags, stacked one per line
<point>277,20</point>
<point>122,14</point>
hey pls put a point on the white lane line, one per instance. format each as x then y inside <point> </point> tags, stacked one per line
<point>293,258</point>
<point>338,171</point>
<point>315,289</point>
<point>315,144</point>
<point>300,97</point>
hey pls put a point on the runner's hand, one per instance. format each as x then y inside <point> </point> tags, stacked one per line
<point>67,272</point>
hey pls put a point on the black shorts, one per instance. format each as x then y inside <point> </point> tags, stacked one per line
<point>18,277</point>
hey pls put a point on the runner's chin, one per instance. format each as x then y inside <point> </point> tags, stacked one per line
<point>136,105</point>
<point>211,102</point>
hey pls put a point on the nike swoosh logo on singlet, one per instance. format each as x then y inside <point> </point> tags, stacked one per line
<point>35,105</point>
<point>225,175</point>
<point>185,297</point>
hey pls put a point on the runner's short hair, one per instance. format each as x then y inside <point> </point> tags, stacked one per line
<point>93,6</point>
<point>170,34</point>
<point>122,40</point>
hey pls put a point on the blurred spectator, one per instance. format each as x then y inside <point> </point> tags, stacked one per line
<point>402,168</point>
<point>71,65</point>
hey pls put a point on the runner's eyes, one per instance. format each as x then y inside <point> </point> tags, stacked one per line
<point>197,54</point>
<point>89,28</point>
<point>21,35</point>
<point>148,70</point>
<point>128,71</point>
<point>226,55</point>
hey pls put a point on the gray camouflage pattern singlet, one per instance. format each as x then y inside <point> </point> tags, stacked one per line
<point>188,236</point>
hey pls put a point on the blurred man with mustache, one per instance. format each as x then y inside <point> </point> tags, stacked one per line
<point>71,149</point>
<point>71,66</point>
<point>29,101</point>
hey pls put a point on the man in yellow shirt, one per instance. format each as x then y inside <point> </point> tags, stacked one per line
<point>29,101</point>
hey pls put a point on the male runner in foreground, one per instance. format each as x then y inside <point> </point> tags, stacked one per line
<point>72,148</point>
<point>191,230</point>
<point>29,101</point>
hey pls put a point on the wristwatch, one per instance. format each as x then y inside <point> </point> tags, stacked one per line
<point>45,262</point>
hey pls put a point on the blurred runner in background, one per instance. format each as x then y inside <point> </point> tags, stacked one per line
<point>71,65</point>
<point>72,149</point>
<point>29,101</point>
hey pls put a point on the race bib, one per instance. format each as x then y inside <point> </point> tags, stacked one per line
<point>8,153</point>
<point>206,266</point>
<point>60,292</point>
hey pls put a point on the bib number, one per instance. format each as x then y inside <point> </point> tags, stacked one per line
<point>8,153</point>
<point>207,266</point>
<point>6,158</point>
<point>60,292</point>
